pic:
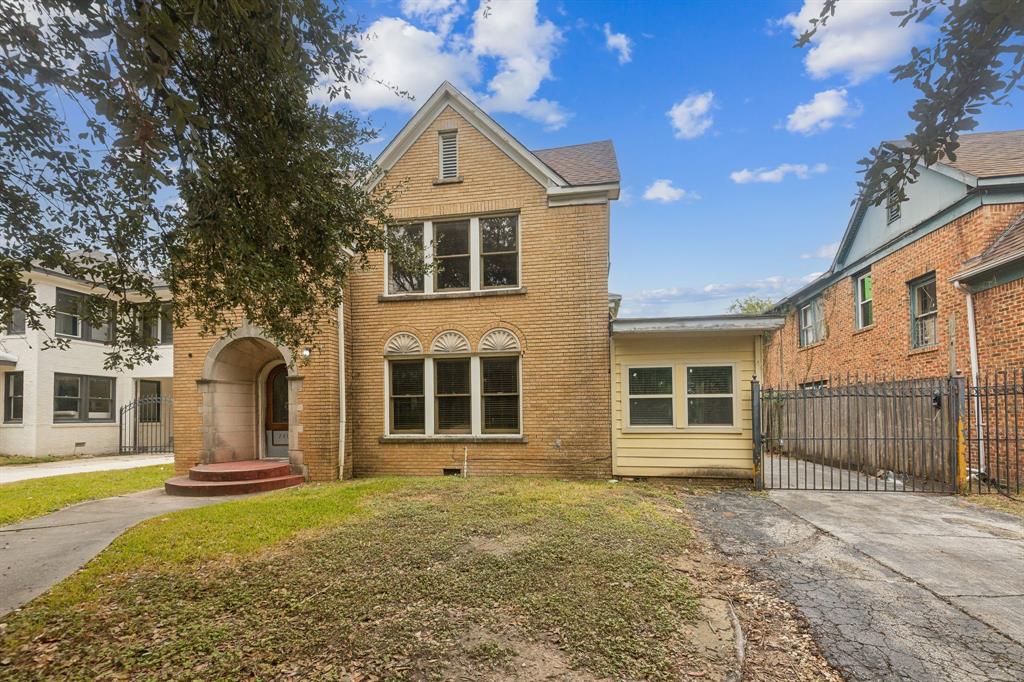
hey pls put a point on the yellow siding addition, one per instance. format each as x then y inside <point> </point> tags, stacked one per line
<point>682,450</point>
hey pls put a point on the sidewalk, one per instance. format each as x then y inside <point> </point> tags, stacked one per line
<point>23,472</point>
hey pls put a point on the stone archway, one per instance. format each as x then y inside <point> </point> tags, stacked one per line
<point>234,402</point>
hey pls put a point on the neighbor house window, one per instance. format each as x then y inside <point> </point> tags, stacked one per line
<point>499,251</point>
<point>865,301</point>
<point>402,280</point>
<point>78,398</point>
<point>812,322</point>
<point>448,142</point>
<point>71,322</point>
<point>16,324</point>
<point>451,255</point>
<point>892,205</point>
<point>924,313</point>
<point>149,407</point>
<point>407,396</point>
<point>500,388</point>
<point>453,396</point>
<point>14,393</point>
<point>166,324</point>
<point>709,395</point>
<point>650,396</point>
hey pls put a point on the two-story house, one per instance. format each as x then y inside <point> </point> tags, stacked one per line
<point>919,288</point>
<point>60,401</point>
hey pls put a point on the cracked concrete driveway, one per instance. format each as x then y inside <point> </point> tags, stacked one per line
<point>894,586</point>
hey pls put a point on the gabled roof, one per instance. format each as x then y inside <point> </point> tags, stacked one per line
<point>1005,248</point>
<point>561,171</point>
<point>593,163</point>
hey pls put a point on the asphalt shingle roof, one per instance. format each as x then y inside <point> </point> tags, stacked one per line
<point>593,163</point>
<point>990,155</point>
<point>1009,243</point>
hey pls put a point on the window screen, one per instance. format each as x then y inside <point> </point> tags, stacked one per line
<point>709,396</point>
<point>14,389</point>
<point>451,255</point>
<point>407,396</point>
<point>499,251</point>
<point>500,394</point>
<point>650,396</point>
<point>452,395</point>
<point>403,280</point>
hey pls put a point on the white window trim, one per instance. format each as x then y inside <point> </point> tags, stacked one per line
<point>917,316</point>
<point>735,395</point>
<point>429,397</point>
<point>860,302</point>
<point>628,420</point>
<point>475,259</point>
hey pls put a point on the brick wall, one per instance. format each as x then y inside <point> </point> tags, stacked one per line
<point>562,320</point>
<point>884,348</point>
<point>999,318</point>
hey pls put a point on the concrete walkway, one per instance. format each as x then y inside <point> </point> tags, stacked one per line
<point>23,472</point>
<point>895,586</point>
<point>38,553</point>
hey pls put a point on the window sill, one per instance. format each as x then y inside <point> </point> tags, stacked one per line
<point>458,438</point>
<point>392,298</point>
<point>12,425</point>
<point>923,350</point>
<point>78,425</point>
<point>863,329</point>
<point>811,346</point>
<point>662,430</point>
<point>447,181</point>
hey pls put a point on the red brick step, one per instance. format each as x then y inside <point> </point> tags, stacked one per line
<point>185,486</point>
<point>239,471</point>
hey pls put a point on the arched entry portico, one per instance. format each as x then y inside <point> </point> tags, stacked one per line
<point>244,414</point>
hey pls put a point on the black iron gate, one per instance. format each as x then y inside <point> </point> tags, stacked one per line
<point>146,426</point>
<point>860,435</point>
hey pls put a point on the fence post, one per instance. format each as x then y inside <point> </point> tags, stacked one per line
<point>957,406</point>
<point>755,409</point>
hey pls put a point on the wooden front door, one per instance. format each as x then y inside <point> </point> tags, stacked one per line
<point>276,417</point>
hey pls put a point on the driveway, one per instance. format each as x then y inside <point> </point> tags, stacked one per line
<point>894,586</point>
<point>23,472</point>
<point>38,553</point>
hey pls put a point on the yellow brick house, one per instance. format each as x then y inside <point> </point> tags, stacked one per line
<point>497,361</point>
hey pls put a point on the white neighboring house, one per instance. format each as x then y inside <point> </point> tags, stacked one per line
<point>62,402</point>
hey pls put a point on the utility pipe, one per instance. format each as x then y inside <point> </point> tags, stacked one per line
<point>972,335</point>
<point>341,389</point>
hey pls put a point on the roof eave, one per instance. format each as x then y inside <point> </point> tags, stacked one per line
<point>753,324</point>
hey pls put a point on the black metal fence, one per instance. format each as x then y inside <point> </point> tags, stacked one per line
<point>994,433</point>
<point>146,426</point>
<point>943,434</point>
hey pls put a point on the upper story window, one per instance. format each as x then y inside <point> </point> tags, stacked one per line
<point>812,322</point>
<point>71,322</point>
<point>467,254</point>
<point>924,313</point>
<point>16,325</point>
<point>448,145</point>
<point>865,300</point>
<point>892,205</point>
<point>158,324</point>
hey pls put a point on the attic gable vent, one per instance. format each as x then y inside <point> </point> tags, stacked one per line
<point>449,144</point>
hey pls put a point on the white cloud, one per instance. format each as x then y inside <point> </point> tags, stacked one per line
<point>511,38</point>
<point>618,42</point>
<point>711,296</point>
<point>439,13</point>
<point>823,251</point>
<point>799,170</point>
<point>821,112</point>
<point>692,117</point>
<point>860,40</point>
<point>663,191</point>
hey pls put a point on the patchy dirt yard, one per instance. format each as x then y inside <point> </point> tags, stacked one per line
<point>480,579</point>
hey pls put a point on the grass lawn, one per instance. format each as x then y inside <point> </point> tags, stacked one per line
<point>24,499</point>
<point>14,460</point>
<point>998,502</point>
<point>384,578</point>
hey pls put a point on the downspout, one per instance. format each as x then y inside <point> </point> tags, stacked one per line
<point>341,389</point>
<point>972,335</point>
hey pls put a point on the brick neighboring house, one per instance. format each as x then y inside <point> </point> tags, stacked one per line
<point>502,351</point>
<point>913,283</point>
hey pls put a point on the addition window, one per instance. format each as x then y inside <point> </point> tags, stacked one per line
<point>16,324</point>
<point>407,396</point>
<point>650,396</point>
<point>78,398</point>
<point>500,388</point>
<point>924,313</point>
<point>812,322</point>
<point>401,280</point>
<point>709,395</point>
<point>453,396</point>
<point>865,301</point>
<point>14,394</point>
<point>451,255</point>
<point>70,317</point>
<point>448,147</point>
<point>892,205</point>
<point>499,251</point>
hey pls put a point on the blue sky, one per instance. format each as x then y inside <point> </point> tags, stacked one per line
<point>738,152</point>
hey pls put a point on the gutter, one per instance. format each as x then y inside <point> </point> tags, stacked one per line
<point>341,390</point>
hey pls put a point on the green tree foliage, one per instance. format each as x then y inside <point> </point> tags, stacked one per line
<point>176,139</point>
<point>751,305</point>
<point>977,60</point>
